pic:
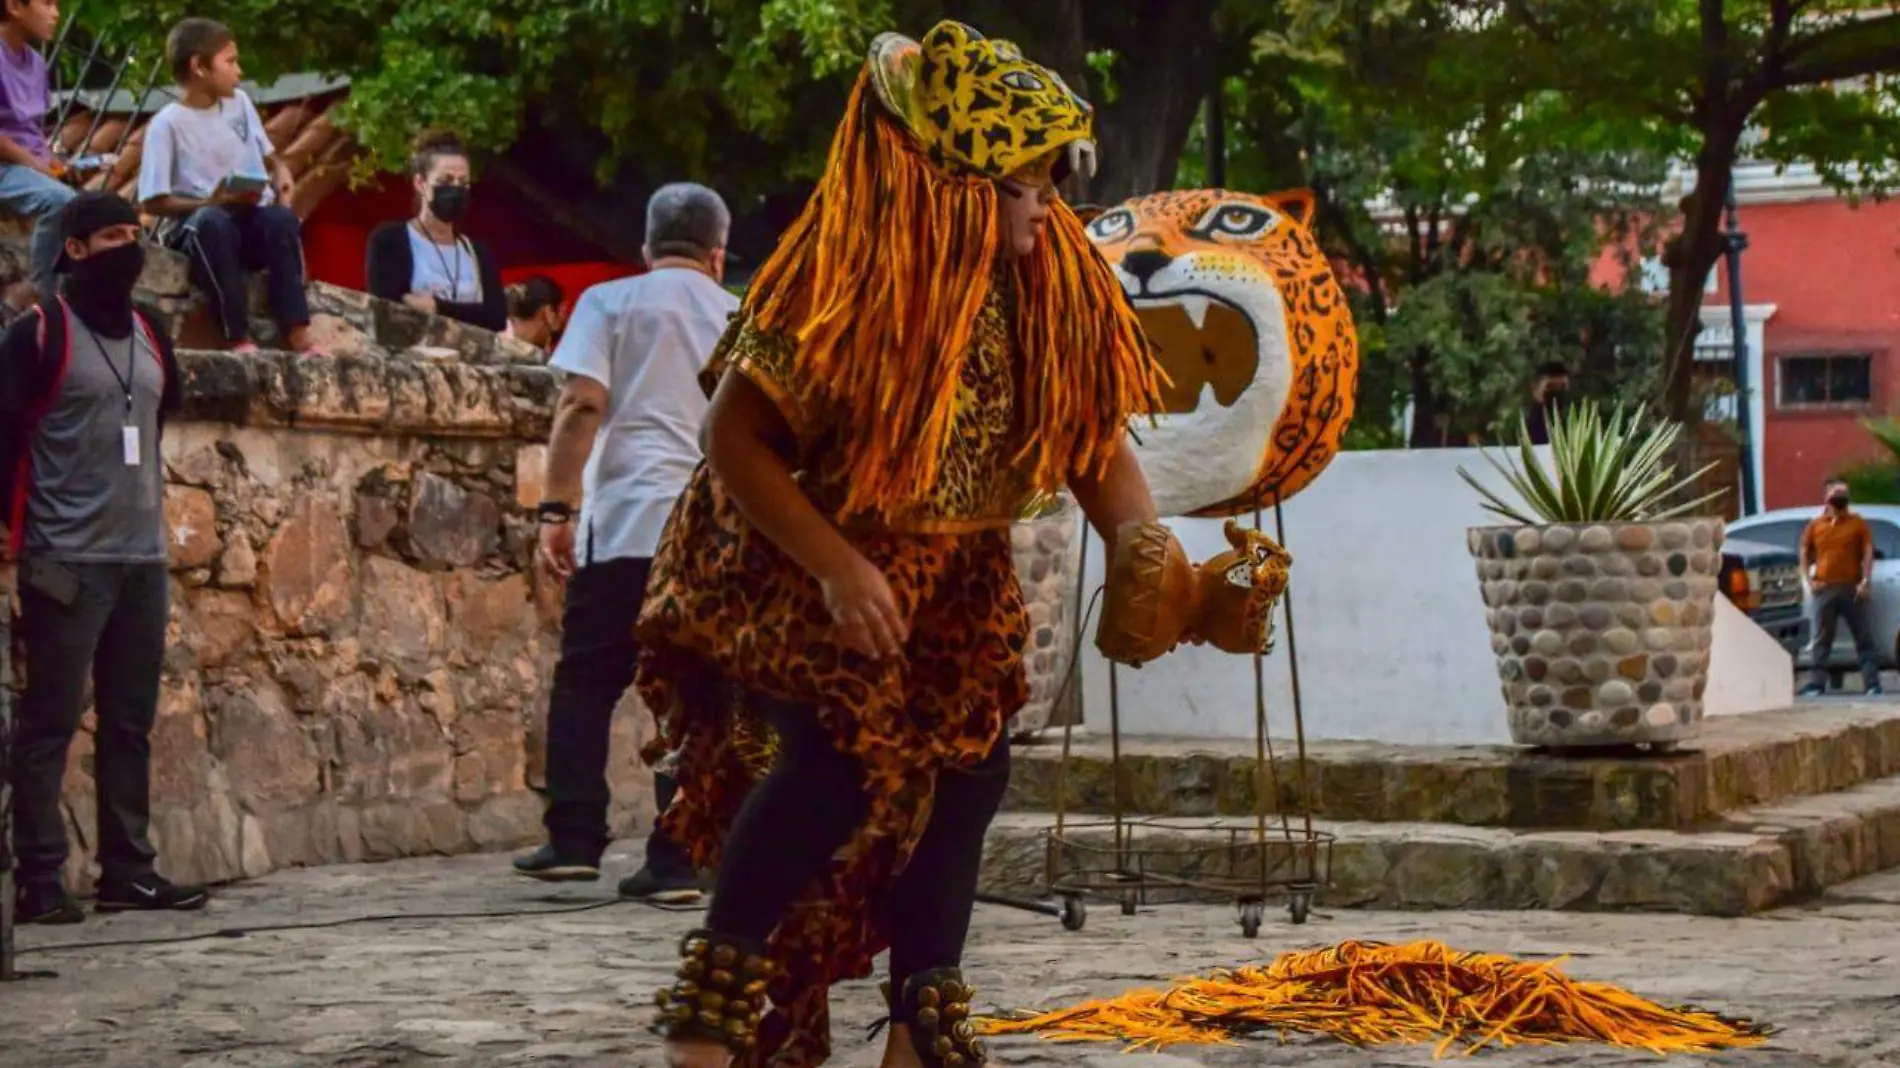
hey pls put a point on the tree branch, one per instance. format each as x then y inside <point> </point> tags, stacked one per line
<point>1853,49</point>
<point>1715,59</point>
<point>1520,10</point>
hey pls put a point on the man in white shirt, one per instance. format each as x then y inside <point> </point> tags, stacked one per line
<point>625,441</point>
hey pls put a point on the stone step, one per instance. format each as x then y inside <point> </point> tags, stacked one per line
<point>1735,762</point>
<point>1758,858</point>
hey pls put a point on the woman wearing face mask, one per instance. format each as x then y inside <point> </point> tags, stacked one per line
<point>427,262</point>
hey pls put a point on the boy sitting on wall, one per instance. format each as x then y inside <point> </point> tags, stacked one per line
<point>209,171</point>
<point>28,185</point>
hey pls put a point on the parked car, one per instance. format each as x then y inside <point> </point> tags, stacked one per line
<point>1764,581</point>
<point>1782,529</point>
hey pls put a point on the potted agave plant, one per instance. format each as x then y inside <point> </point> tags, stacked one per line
<point>1600,591</point>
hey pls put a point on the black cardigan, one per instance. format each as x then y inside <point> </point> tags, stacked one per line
<point>391,269</point>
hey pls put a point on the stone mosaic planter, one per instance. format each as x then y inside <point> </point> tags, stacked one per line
<point>1048,551</point>
<point>1602,631</point>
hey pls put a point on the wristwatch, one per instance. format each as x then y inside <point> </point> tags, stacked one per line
<point>554,512</point>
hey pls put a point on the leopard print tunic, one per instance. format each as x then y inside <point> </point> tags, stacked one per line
<point>726,603</point>
<point>981,486</point>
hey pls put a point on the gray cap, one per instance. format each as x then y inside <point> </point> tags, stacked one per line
<point>686,219</point>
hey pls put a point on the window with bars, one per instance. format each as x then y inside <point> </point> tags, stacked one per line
<point>1825,380</point>
<point>1715,380</point>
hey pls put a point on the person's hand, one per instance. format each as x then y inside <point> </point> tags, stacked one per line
<point>283,188</point>
<point>862,605</point>
<point>1860,591</point>
<point>422,302</point>
<point>555,553</point>
<point>1815,585</point>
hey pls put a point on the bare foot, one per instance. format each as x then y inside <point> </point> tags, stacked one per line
<point>302,340</point>
<point>898,1050</point>
<point>696,1053</point>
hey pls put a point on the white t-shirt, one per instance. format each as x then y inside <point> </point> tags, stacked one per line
<point>188,151</point>
<point>646,339</point>
<point>445,272</point>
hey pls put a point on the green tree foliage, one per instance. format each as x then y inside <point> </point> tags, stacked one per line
<point>707,86</point>
<point>1467,212</point>
<point>1708,81</point>
<point>582,105</point>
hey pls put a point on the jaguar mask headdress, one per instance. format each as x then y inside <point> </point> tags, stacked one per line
<point>880,279</point>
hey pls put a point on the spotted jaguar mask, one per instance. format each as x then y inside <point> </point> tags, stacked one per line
<point>1254,333</point>
<point>976,104</point>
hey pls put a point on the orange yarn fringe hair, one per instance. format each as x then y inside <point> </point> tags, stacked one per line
<point>1367,993</point>
<point>879,282</point>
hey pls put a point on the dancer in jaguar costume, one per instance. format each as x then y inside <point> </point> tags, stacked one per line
<point>933,345</point>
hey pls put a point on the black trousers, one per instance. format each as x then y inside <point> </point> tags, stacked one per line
<point>795,820</point>
<point>596,668</point>
<point>106,623</point>
<point>223,244</point>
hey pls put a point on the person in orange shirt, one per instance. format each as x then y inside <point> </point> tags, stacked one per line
<point>1837,556</point>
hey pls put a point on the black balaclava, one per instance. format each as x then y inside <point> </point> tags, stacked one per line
<point>99,287</point>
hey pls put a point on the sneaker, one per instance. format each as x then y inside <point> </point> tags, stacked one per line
<point>645,885</point>
<point>1811,691</point>
<point>46,901</point>
<point>1874,690</point>
<point>552,866</point>
<point>149,893</point>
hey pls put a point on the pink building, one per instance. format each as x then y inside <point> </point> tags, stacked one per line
<point>1821,281</point>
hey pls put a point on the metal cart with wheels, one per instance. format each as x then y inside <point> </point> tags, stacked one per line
<point>1139,862</point>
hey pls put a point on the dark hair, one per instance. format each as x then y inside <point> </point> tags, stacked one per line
<point>1553,369</point>
<point>195,38</point>
<point>532,295</point>
<point>431,146</point>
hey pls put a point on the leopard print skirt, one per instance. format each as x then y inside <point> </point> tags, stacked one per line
<point>725,604</point>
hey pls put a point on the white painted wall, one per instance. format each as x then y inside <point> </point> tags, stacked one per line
<point>1390,625</point>
<point>1749,670</point>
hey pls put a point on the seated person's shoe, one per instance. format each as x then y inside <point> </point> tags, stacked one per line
<point>1811,691</point>
<point>46,901</point>
<point>1874,690</point>
<point>551,865</point>
<point>648,885</point>
<point>149,893</point>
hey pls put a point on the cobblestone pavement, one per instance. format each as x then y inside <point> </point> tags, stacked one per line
<point>573,989</point>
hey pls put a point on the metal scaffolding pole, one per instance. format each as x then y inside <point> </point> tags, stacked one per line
<point>1737,241</point>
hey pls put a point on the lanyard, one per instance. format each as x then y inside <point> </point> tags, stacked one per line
<point>453,274</point>
<point>130,376</point>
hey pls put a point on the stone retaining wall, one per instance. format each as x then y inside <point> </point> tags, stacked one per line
<point>359,658</point>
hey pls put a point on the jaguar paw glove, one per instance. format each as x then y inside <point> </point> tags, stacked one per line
<point>1237,592</point>
<point>1150,597</point>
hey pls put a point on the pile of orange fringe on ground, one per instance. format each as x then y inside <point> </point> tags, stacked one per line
<point>1367,993</point>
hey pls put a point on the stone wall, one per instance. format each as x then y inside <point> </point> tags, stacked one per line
<point>359,656</point>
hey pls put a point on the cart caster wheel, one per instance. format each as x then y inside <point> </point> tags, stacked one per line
<point>1075,913</point>
<point>1299,906</point>
<point>1250,918</point>
<point>1128,906</point>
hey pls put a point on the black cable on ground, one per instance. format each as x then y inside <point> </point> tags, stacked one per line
<point>347,921</point>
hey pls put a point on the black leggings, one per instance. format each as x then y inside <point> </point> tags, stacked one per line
<point>807,807</point>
